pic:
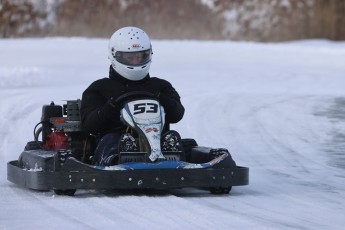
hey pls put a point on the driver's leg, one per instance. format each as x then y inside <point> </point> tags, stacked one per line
<point>106,152</point>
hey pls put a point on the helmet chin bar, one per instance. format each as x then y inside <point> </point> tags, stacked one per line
<point>146,116</point>
<point>133,73</point>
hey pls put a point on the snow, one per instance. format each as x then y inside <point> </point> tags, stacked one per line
<point>279,109</point>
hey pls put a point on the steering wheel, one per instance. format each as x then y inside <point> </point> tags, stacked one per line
<point>134,95</point>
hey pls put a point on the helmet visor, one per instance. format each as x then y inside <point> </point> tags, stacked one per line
<point>133,58</point>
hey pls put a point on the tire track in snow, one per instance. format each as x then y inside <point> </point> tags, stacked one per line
<point>151,211</point>
<point>280,139</point>
<point>16,109</point>
<point>16,131</point>
<point>56,211</point>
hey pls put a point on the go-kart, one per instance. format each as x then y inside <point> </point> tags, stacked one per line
<point>62,159</point>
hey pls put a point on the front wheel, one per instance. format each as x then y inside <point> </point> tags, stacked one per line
<point>66,192</point>
<point>220,190</point>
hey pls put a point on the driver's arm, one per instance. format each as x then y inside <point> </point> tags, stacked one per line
<point>171,102</point>
<point>97,114</point>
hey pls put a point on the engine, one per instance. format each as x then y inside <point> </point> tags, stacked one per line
<point>61,131</point>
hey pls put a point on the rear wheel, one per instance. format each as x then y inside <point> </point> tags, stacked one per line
<point>188,144</point>
<point>33,145</point>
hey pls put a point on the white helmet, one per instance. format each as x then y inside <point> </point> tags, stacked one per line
<point>130,53</point>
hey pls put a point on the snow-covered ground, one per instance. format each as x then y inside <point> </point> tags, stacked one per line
<point>278,108</point>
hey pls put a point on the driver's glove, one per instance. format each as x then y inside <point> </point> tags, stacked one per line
<point>111,107</point>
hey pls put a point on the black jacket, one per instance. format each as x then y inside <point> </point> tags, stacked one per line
<point>100,113</point>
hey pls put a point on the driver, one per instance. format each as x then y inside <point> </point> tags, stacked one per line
<point>130,53</point>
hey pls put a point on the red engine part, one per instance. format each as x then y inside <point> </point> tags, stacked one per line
<point>56,141</point>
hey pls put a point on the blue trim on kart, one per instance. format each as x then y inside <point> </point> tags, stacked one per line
<point>169,164</point>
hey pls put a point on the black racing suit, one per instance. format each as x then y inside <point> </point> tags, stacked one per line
<point>100,114</point>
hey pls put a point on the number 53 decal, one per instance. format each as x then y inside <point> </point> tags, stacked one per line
<point>145,108</point>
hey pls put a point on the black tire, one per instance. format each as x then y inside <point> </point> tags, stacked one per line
<point>188,144</point>
<point>220,190</point>
<point>66,192</point>
<point>33,145</point>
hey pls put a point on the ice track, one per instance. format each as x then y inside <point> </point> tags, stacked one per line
<point>287,128</point>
